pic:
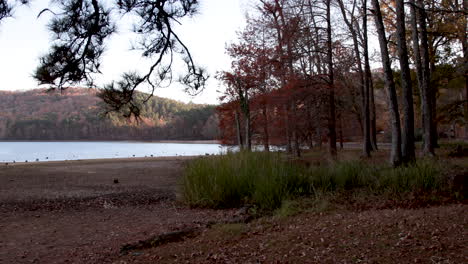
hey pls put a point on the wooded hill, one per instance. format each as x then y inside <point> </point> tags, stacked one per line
<point>78,114</point>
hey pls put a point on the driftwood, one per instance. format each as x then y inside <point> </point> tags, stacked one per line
<point>176,236</point>
<point>158,240</point>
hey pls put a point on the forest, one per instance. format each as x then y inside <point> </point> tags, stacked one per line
<point>304,72</point>
<point>307,72</point>
<point>78,114</point>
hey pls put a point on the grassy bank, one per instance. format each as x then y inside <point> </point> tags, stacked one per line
<point>268,180</point>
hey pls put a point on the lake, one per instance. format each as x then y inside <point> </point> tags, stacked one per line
<point>20,151</point>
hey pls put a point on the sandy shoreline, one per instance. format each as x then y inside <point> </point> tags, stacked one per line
<point>99,161</point>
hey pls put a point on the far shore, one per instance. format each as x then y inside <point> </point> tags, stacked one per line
<point>139,141</point>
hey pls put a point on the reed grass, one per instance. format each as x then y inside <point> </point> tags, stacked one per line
<point>268,180</point>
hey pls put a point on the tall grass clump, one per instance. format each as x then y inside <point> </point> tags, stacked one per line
<point>234,179</point>
<point>267,180</point>
<point>342,176</point>
<point>421,176</point>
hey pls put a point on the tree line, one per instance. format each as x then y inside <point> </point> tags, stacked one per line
<point>299,69</point>
<point>302,67</point>
<point>78,114</point>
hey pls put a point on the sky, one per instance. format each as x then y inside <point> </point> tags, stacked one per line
<point>24,38</point>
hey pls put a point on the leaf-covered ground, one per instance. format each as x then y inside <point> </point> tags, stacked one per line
<point>425,235</point>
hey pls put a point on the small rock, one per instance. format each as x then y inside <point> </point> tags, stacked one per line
<point>116,181</point>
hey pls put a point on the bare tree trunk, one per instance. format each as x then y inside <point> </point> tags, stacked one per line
<point>369,85</point>
<point>238,130</point>
<point>464,41</point>
<point>465,51</point>
<point>266,137</point>
<point>373,117</point>
<point>288,129</point>
<point>428,147</point>
<point>408,112</point>
<point>318,129</point>
<point>331,95</point>
<point>363,84</point>
<point>341,132</point>
<point>297,147</point>
<point>248,130</point>
<point>243,94</point>
<point>395,156</point>
<point>417,52</point>
<point>433,88</point>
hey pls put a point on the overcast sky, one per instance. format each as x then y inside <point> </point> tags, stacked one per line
<point>25,37</point>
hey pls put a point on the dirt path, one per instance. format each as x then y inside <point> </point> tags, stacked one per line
<point>73,212</point>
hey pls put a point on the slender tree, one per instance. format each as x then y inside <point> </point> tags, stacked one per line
<point>363,79</point>
<point>395,156</point>
<point>331,84</point>
<point>425,86</point>
<point>464,42</point>
<point>369,87</point>
<point>408,153</point>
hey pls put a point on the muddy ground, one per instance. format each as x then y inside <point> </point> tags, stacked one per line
<point>73,212</point>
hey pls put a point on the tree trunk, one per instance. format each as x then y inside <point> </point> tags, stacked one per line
<point>288,130</point>
<point>331,92</point>
<point>428,147</point>
<point>417,53</point>
<point>238,130</point>
<point>248,132</point>
<point>433,88</point>
<point>395,156</point>
<point>408,154</point>
<point>367,85</point>
<point>266,137</point>
<point>341,132</point>
<point>297,147</point>
<point>363,84</point>
<point>373,114</point>
<point>464,40</point>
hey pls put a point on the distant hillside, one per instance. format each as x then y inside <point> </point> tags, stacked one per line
<point>77,114</point>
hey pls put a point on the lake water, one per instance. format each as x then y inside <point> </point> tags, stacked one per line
<point>53,151</point>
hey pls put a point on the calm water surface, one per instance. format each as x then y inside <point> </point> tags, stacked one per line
<point>49,151</point>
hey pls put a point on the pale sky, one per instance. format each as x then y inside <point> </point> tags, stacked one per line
<point>24,38</point>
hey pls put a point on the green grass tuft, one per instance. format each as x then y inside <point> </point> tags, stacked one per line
<point>234,179</point>
<point>268,181</point>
